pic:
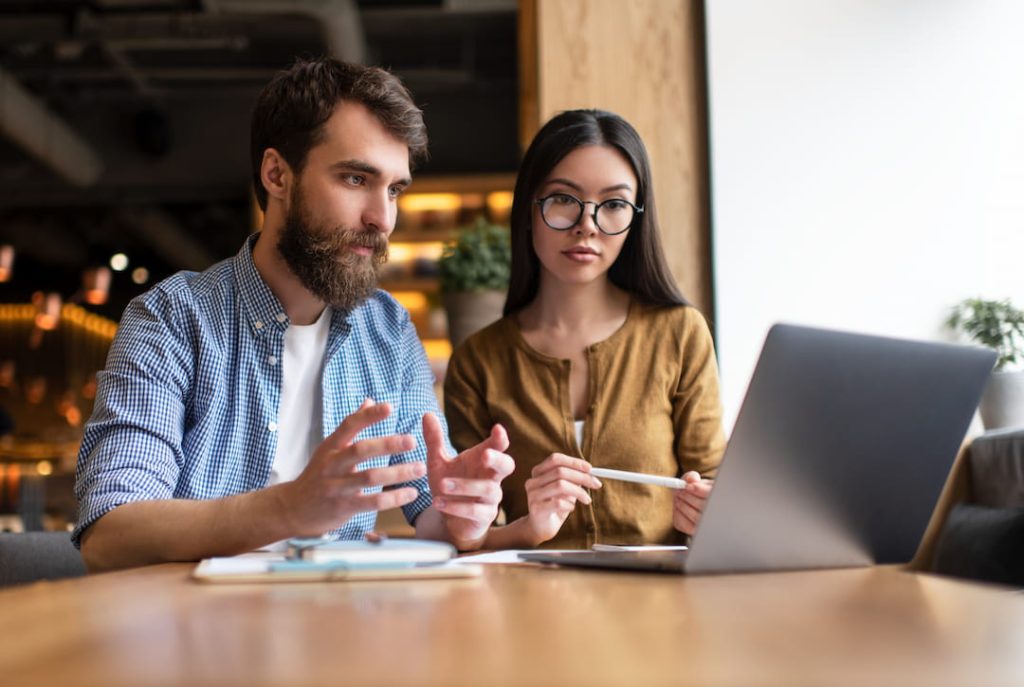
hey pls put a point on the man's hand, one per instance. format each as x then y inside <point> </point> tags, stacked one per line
<point>330,490</point>
<point>466,488</point>
<point>688,504</point>
<point>324,497</point>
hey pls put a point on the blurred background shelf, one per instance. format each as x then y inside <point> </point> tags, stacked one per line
<point>430,215</point>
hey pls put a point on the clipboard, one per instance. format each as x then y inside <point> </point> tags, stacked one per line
<point>274,568</point>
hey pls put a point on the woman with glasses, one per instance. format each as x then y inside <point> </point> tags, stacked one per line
<point>599,361</point>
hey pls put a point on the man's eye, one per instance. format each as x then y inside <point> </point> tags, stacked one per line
<point>396,191</point>
<point>355,179</point>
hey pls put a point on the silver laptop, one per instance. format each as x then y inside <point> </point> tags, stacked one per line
<point>838,456</point>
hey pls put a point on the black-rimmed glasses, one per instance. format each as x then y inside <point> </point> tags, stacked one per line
<point>562,212</point>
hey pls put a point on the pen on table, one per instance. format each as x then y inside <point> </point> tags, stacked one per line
<point>639,477</point>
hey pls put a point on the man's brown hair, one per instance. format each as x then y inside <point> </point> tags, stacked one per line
<point>291,110</point>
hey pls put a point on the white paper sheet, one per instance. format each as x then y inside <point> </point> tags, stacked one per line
<point>615,547</point>
<point>505,556</point>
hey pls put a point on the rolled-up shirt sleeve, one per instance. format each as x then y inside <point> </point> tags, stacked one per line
<point>132,446</point>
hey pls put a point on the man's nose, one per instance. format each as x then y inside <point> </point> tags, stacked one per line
<point>380,213</point>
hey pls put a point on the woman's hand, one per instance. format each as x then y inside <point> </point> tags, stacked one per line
<point>554,487</point>
<point>688,504</point>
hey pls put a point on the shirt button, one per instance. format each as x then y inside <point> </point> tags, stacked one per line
<point>272,360</point>
<point>281,317</point>
<point>272,426</point>
<point>258,325</point>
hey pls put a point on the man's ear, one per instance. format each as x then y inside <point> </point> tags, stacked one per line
<point>275,174</point>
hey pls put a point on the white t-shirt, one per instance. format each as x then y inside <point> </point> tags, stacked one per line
<point>300,415</point>
<point>579,433</point>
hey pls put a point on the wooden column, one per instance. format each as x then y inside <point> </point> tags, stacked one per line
<point>642,59</point>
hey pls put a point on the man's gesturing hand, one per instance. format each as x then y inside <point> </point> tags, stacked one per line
<point>466,488</point>
<point>330,490</point>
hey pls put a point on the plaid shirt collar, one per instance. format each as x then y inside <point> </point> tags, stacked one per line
<point>261,309</point>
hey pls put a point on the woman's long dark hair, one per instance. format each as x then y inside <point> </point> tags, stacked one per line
<point>640,269</point>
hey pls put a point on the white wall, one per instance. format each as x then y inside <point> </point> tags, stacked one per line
<point>867,164</point>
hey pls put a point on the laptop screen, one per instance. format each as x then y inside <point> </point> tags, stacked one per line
<point>840,451</point>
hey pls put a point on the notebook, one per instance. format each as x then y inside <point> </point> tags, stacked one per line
<point>837,458</point>
<point>382,552</point>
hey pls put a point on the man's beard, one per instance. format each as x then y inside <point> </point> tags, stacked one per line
<point>324,261</point>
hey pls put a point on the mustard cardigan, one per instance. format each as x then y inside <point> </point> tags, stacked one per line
<point>654,407</point>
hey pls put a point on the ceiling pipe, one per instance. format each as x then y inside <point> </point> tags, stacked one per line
<point>31,125</point>
<point>342,27</point>
<point>129,70</point>
<point>167,238</point>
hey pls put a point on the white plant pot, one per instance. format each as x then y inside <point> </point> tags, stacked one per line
<point>471,311</point>
<point>1002,404</point>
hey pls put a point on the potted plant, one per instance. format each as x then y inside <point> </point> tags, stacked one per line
<point>999,326</point>
<point>474,272</point>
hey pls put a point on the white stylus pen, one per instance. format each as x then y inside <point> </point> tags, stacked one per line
<point>670,482</point>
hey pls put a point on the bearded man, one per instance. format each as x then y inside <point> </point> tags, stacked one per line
<point>279,393</point>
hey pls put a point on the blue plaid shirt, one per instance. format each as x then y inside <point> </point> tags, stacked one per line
<point>187,405</point>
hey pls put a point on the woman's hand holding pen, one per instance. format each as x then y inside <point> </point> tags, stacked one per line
<point>688,504</point>
<point>554,487</point>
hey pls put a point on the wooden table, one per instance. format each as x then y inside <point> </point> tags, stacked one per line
<point>516,625</point>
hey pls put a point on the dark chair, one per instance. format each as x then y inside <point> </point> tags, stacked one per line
<point>31,556</point>
<point>982,537</point>
<point>997,468</point>
<point>982,543</point>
